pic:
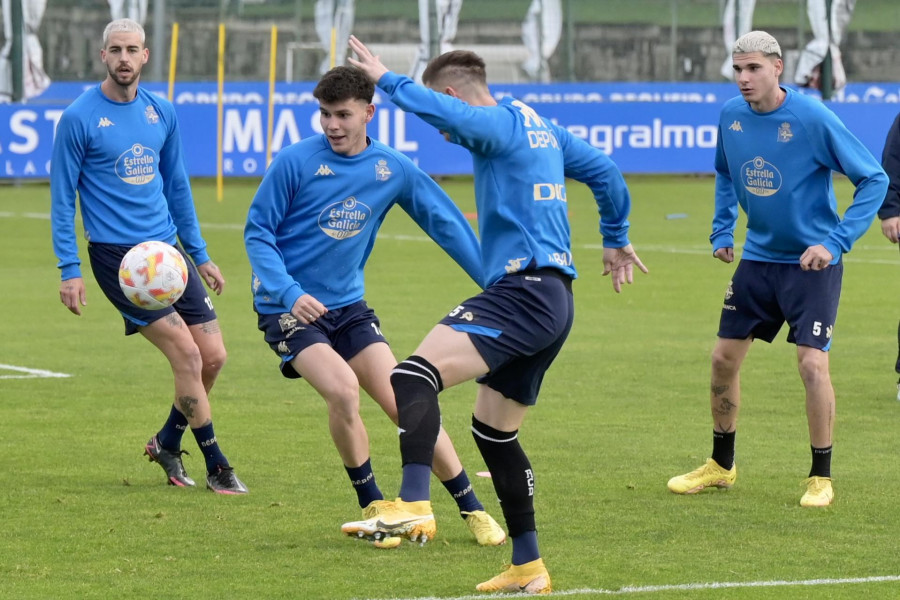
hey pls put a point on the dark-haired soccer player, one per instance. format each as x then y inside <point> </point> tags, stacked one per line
<point>889,213</point>
<point>119,147</point>
<point>507,336</point>
<point>311,227</point>
<point>775,154</point>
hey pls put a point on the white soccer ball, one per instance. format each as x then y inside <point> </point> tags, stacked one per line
<point>153,275</point>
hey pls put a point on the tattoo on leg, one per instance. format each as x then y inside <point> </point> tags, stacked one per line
<point>718,390</point>
<point>211,327</point>
<point>173,319</point>
<point>187,405</point>
<point>725,405</point>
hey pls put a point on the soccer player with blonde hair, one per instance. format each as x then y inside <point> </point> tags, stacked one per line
<point>775,155</point>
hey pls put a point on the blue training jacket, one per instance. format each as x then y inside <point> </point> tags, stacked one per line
<point>126,162</point>
<point>521,162</point>
<point>778,167</point>
<point>315,216</point>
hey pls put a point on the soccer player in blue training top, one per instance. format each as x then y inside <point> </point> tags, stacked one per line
<point>889,213</point>
<point>118,146</point>
<point>311,227</point>
<point>507,336</point>
<point>775,154</point>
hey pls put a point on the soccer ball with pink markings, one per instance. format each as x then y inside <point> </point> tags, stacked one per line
<point>153,275</point>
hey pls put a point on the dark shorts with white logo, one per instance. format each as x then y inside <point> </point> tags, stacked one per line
<point>194,306</point>
<point>762,296</point>
<point>348,330</point>
<point>518,326</point>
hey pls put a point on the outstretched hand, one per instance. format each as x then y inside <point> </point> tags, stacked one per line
<point>619,264</point>
<point>365,61</point>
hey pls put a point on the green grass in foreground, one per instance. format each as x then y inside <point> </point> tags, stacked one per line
<point>623,409</point>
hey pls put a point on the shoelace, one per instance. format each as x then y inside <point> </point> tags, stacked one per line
<point>225,475</point>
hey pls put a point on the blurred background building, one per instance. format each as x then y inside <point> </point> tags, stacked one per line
<point>579,40</point>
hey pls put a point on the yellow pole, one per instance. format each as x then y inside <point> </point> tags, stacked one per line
<point>220,184</point>
<point>173,60</point>
<point>333,47</point>
<point>273,52</point>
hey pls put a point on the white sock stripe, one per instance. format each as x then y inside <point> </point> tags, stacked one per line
<point>426,377</point>
<point>421,363</point>
<point>415,368</point>
<point>425,366</point>
<point>490,439</point>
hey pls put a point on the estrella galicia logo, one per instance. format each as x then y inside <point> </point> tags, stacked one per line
<point>137,165</point>
<point>344,219</point>
<point>761,178</point>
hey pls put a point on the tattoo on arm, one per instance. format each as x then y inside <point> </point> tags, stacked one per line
<point>187,405</point>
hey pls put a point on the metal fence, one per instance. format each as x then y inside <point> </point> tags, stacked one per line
<point>592,40</point>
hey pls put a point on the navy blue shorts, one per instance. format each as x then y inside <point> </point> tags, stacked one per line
<point>194,306</point>
<point>518,325</point>
<point>348,330</point>
<point>763,295</point>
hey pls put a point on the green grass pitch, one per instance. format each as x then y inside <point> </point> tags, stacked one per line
<point>624,408</point>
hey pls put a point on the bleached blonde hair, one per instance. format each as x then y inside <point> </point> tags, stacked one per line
<point>122,26</point>
<point>757,41</point>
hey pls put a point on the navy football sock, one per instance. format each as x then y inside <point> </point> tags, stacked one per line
<point>415,485</point>
<point>462,491</point>
<point>525,548</point>
<point>170,435</point>
<point>363,480</point>
<point>209,446</point>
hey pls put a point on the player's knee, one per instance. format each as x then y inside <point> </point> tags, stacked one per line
<point>813,367</point>
<point>214,360</point>
<point>511,475</point>
<point>186,359</point>
<point>416,384</point>
<point>724,363</point>
<point>342,397</point>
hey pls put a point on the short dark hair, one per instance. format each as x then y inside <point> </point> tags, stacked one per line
<point>457,65</point>
<point>344,83</point>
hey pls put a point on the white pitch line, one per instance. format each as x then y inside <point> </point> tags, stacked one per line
<point>695,250</point>
<point>645,589</point>
<point>30,373</point>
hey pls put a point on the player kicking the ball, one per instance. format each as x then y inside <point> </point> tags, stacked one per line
<point>507,336</point>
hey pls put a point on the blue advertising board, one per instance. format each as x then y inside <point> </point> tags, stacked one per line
<point>644,127</point>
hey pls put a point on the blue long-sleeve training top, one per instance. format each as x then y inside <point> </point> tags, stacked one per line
<point>521,162</point>
<point>778,167</point>
<point>126,162</point>
<point>314,219</point>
